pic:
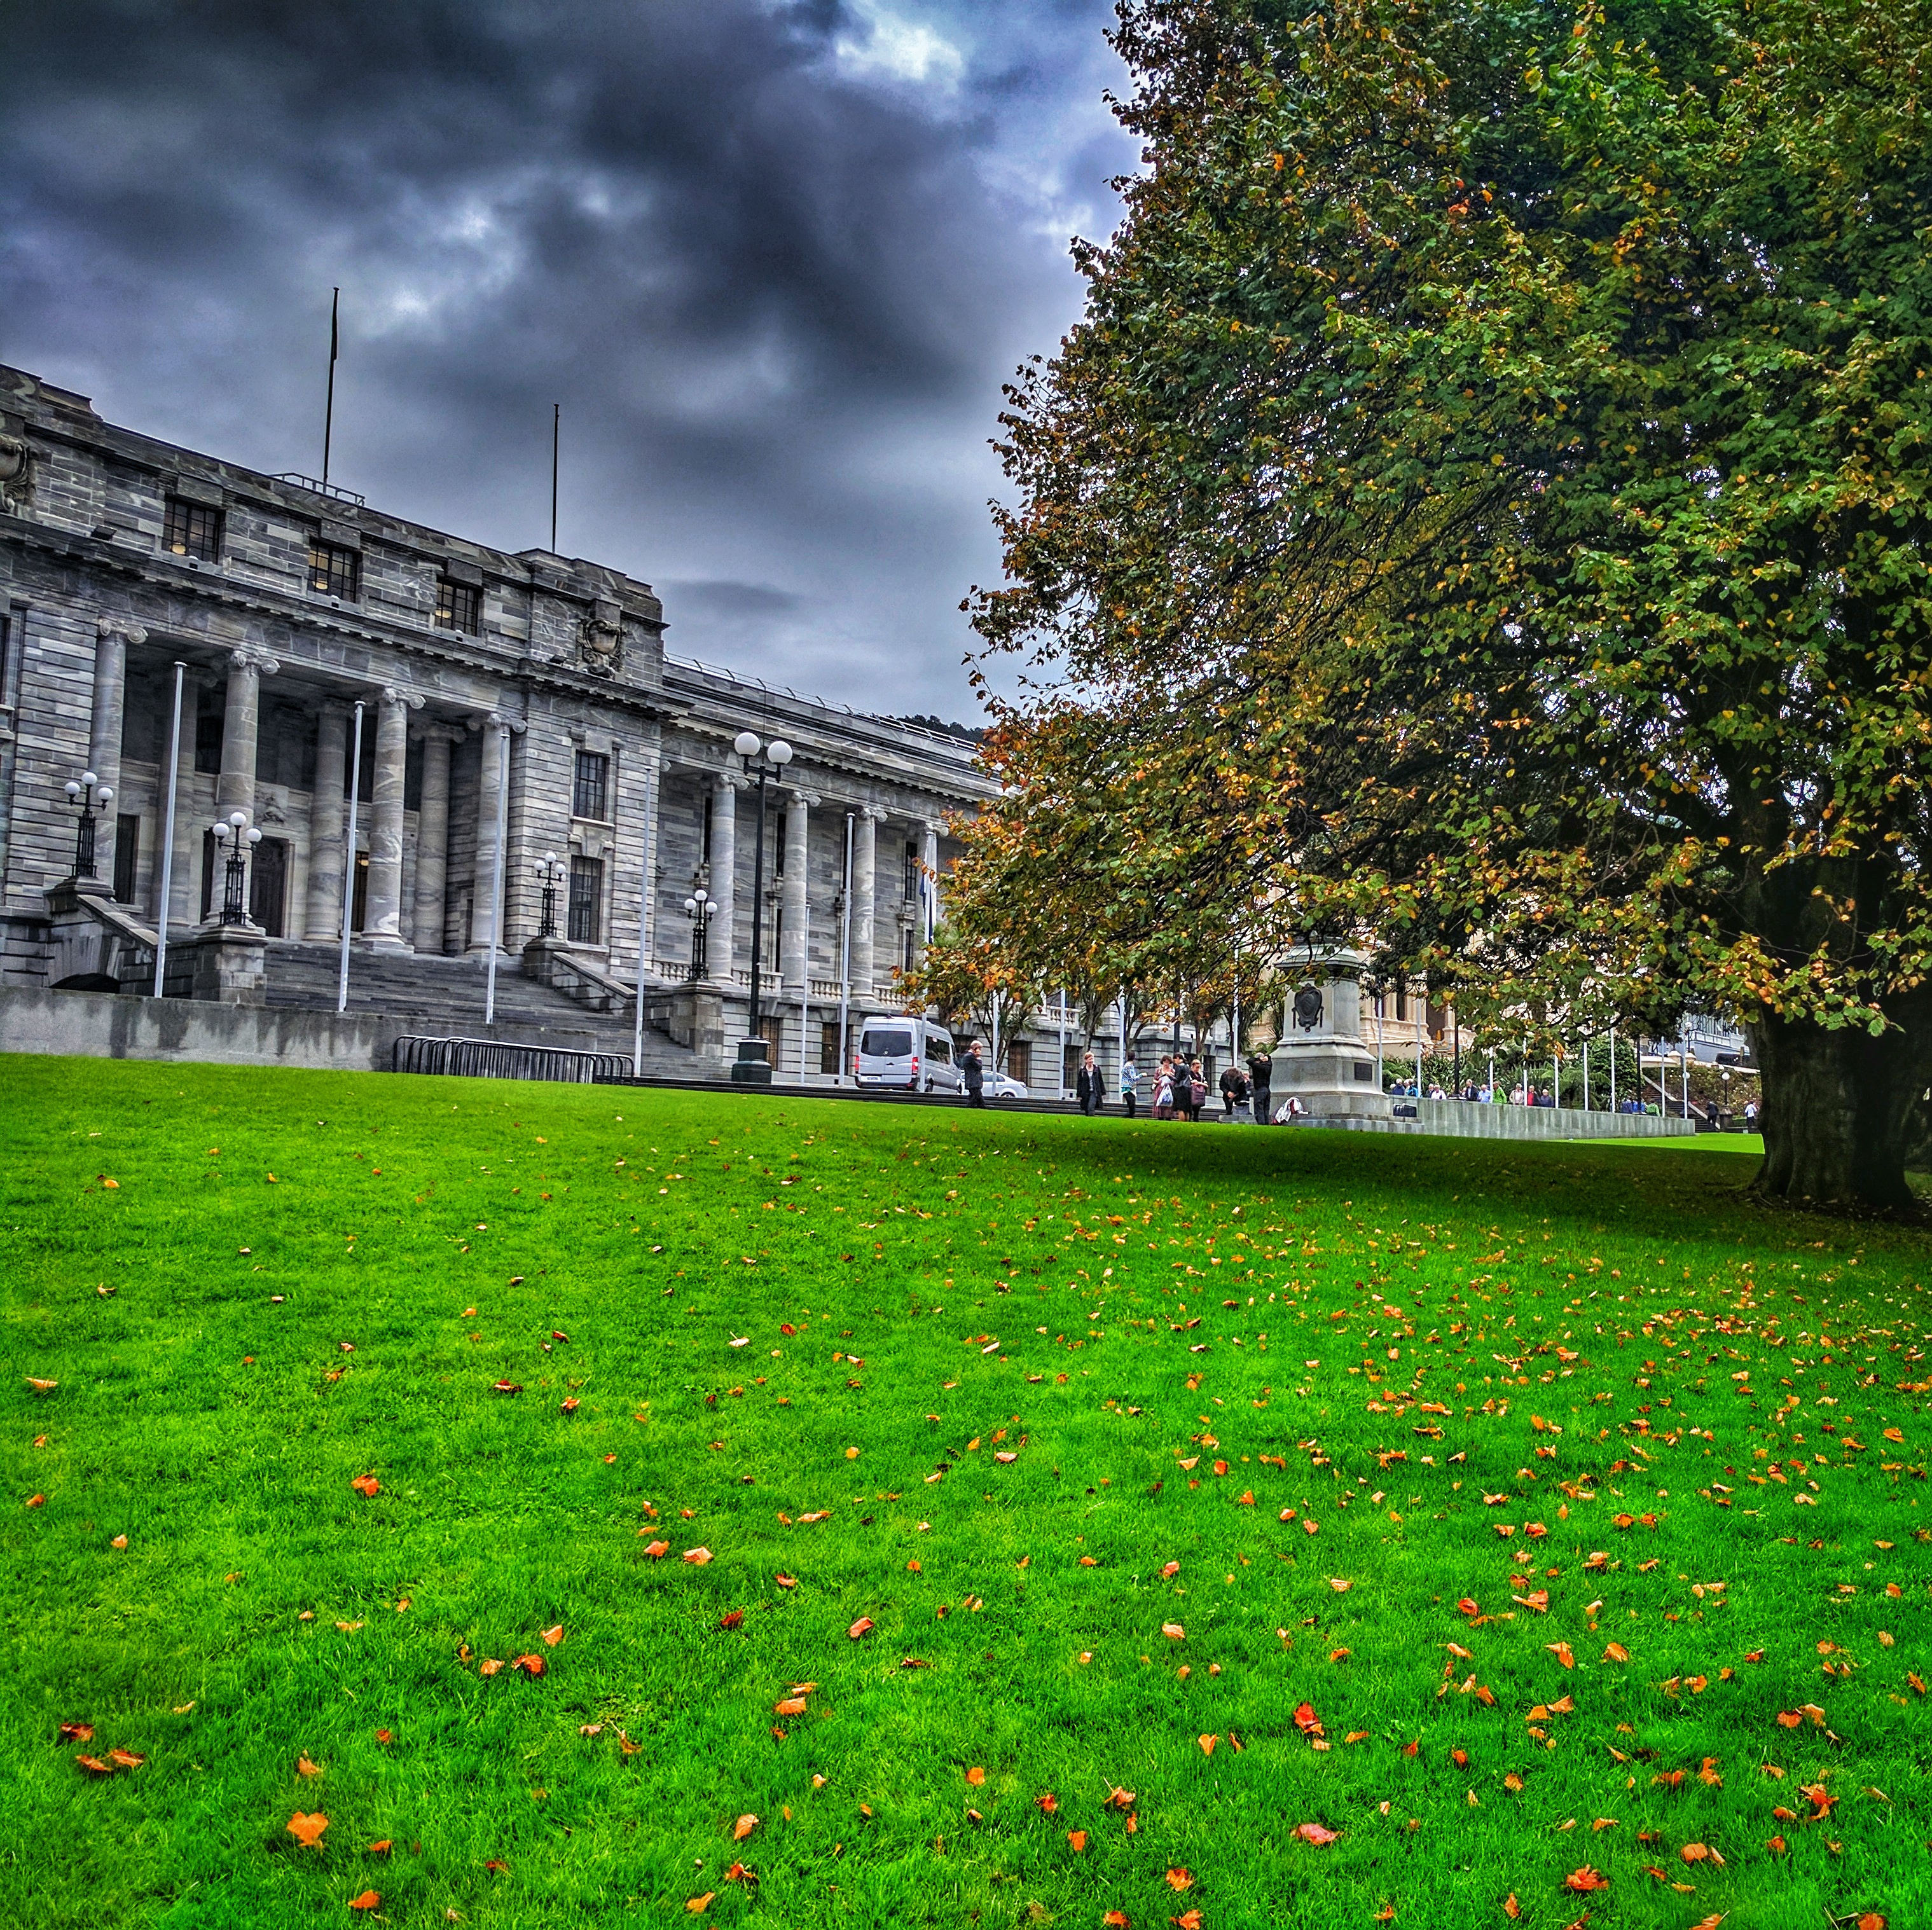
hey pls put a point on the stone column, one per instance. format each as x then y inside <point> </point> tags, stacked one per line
<point>498,730</point>
<point>433,840</point>
<point>865,870</point>
<point>382,927</point>
<point>723,885</point>
<point>928,857</point>
<point>322,919</point>
<point>112,636</point>
<point>234,788</point>
<point>795,963</point>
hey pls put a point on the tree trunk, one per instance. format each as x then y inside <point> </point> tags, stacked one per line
<point>1838,1108</point>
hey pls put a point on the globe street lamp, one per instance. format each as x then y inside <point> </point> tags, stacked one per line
<point>764,762</point>
<point>87,796</point>
<point>234,835</point>
<point>699,908</point>
<point>551,869</point>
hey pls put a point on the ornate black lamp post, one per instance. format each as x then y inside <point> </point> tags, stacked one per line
<point>234,835</point>
<point>87,796</point>
<point>549,868</point>
<point>699,908</point>
<point>764,762</point>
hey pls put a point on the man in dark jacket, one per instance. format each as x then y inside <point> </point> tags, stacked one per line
<point>1261,1069</point>
<point>1088,1086</point>
<point>1233,1089</point>
<point>973,1070</point>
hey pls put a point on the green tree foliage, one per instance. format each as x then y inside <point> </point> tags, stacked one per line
<point>1485,501</point>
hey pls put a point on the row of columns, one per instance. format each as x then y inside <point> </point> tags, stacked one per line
<point>235,791</point>
<point>794,959</point>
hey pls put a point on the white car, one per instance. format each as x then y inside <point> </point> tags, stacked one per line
<point>1003,1085</point>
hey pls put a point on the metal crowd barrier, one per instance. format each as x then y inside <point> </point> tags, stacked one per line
<point>491,1058</point>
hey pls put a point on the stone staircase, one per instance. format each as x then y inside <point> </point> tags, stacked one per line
<point>444,998</point>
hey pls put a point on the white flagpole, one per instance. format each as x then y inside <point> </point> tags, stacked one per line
<point>643,923</point>
<point>845,954</point>
<point>349,864</point>
<point>496,882</point>
<point>168,835</point>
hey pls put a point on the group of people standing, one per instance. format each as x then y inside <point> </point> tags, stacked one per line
<point>1178,1088</point>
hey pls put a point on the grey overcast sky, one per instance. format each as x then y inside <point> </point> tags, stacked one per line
<point>774,257</point>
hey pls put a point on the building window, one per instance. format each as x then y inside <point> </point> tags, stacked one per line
<point>459,606</point>
<point>771,1029</point>
<point>127,855</point>
<point>192,530</point>
<point>211,708</point>
<point>586,899</point>
<point>828,1047</point>
<point>590,791</point>
<point>911,883</point>
<point>706,844</point>
<point>1019,1061</point>
<point>333,569</point>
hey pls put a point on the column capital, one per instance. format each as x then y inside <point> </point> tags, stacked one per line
<point>125,628</point>
<point>252,656</point>
<point>874,813</point>
<point>503,725</point>
<point>797,794</point>
<point>731,780</point>
<point>437,734</point>
<point>398,694</point>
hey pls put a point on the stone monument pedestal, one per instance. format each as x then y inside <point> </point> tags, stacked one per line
<point>1323,1061</point>
<point>229,963</point>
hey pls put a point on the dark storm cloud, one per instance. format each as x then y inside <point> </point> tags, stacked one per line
<point>774,260</point>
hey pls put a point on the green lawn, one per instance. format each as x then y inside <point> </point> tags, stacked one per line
<point>1582,1506</point>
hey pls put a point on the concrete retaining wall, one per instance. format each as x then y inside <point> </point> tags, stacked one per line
<point>106,1025</point>
<point>1466,1120</point>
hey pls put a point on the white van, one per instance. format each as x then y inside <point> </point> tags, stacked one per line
<point>915,1055</point>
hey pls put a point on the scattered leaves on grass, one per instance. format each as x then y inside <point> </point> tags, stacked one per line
<point>307,1828</point>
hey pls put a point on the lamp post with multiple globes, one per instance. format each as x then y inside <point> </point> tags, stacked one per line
<point>699,907</point>
<point>234,835</point>
<point>87,796</point>
<point>763,761</point>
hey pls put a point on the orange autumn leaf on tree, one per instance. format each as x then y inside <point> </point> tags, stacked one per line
<point>307,1828</point>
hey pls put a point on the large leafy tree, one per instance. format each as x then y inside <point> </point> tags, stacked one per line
<point>1485,502</point>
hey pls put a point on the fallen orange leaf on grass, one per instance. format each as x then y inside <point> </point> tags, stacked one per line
<point>307,1828</point>
<point>793,1705</point>
<point>732,1618</point>
<point>1118,1919</point>
<point>304,1767</point>
<point>976,1775</point>
<point>861,1628</point>
<point>1180,1879</point>
<point>369,1899</point>
<point>698,1557</point>
<point>1173,1630</point>
<point>658,1549</point>
<point>550,1637</point>
<point>1078,1838</point>
<point>532,1666</point>
<point>697,1903</point>
<point>366,1484</point>
<point>1313,1833</point>
<point>1585,1881</point>
<point>743,1827</point>
<point>76,1732</point>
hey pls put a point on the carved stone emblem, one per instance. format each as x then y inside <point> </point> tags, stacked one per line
<point>1308,1007</point>
<point>16,473</point>
<point>600,643</point>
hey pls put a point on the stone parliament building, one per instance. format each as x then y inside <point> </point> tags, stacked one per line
<point>524,698</point>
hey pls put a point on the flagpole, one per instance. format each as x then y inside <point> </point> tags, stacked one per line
<point>168,836</point>
<point>556,437</point>
<point>329,412</point>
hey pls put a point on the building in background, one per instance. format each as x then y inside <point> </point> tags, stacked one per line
<point>531,690</point>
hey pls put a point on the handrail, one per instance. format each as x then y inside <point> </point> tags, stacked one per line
<point>496,1058</point>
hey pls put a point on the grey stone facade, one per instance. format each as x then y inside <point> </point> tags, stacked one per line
<point>302,605</point>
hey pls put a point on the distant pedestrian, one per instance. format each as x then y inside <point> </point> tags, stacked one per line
<point>1261,1069</point>
<point>1197,1086</point>
<point>1163,1089</point>
<point>1089,1087</point>
<point>1235,1090</point>
<point>1130,1080</point>
<point>973,1068</point>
